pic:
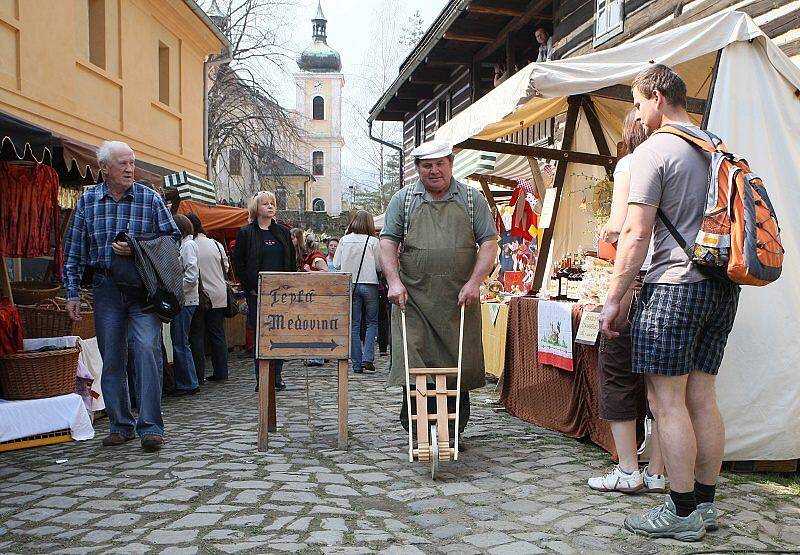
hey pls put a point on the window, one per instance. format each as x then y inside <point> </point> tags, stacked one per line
<point>234,162</point>
<point>163,73</point>
<point>419,124</point>
<point>318,205</point>
<point>97,32</point>
<point>609,18</point>
<point>443,110</point>
<point>318,108</point>
<point>318,163</point>
<point>281,198</point>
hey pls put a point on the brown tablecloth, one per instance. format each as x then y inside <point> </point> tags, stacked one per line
<point>567,402</point>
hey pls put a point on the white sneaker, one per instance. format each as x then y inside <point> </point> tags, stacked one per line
<point>656,483</point>
<point>618,480</point>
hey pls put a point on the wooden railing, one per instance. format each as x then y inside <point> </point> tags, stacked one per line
<point>540,134</point>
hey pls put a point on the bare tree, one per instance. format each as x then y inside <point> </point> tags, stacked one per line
<point>377,177</point>
<point>246,125</point>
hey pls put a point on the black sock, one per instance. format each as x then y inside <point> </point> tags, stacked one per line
<point>685,503</point>
<point>704,493</point>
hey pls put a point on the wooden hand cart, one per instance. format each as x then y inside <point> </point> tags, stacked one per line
<point>433,433</point>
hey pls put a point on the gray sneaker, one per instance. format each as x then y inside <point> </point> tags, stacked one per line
<point>709,513</point>
<point>663,522</point>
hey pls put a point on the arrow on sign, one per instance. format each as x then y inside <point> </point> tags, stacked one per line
<point>303,345</point>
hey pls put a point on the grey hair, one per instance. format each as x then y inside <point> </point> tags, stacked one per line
<point>107,147</point>
<point>450,157</point>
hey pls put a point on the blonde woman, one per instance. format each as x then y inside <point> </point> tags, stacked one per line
<point>263,245</point>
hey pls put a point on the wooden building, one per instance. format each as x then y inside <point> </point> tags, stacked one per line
<point>454,63</point>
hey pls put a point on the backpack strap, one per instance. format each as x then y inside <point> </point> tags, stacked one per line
<point>712,144</point>
<point>675,233</point>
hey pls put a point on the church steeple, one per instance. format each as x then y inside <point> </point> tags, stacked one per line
<point>319,57</point>
<point>320,24</point>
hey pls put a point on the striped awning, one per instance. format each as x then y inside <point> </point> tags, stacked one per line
<point>509,166</point>
<point>191,187</point>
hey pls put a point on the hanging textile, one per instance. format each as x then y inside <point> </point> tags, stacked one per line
<point>10,328</point>
<point>29,212</point>
<point>523,218</point>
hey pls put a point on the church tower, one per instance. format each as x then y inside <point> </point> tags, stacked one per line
<point>319,104</point>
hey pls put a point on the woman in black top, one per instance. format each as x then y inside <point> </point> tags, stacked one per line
<point>262,246</point>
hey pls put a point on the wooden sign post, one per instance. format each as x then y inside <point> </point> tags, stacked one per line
<point>301,315</point>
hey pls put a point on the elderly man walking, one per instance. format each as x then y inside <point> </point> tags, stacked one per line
<point>119,205</point>
<point>439,224</point>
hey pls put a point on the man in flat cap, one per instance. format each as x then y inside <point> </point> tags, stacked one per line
<point>448,245</point>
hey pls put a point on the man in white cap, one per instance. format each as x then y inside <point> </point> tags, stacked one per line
<point>448,246</point>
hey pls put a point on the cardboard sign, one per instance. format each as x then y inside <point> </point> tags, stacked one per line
<point>589,328</point>
<point>303,315</point>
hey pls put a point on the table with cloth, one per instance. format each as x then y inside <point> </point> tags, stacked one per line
<point>566,402</point>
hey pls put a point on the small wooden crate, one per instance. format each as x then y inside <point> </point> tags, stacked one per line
<point>59,436</point>
<point>762,466</point>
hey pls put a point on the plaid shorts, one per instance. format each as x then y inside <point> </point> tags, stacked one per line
<point>680,328</point>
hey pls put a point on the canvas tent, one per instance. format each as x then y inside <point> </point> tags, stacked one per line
<point>755,106</point>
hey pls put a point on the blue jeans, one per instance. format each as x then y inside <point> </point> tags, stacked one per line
<point>252,312</point>
<point>113,319</point>
<point>183,363</point>
<point>365,299</point>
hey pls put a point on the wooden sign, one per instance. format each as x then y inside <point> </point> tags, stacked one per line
<point>303,315</point>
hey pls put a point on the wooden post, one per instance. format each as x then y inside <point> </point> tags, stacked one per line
<point>272,415</point>
<point>596,127</point>
<point>475,81</point>
<point>510,58</point>
<point>707,111</point>
<point>343,364</point>
<point>561,173</point>
<point>263,403</point>
<point>484,181</point>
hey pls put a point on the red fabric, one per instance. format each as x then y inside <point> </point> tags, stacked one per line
<point>10,328</point>
<point>309,260</point>
<point>217,217</point>
<point>29,212</point>
<point>523,217</point>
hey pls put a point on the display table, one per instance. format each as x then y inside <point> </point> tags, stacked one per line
<point>494,317</point>
<point>566,402</point>
<point>19,419</point>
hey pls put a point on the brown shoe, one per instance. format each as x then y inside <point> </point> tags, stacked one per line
<point>114,439</point>
<point>368,366</point>
<point>152,442</point>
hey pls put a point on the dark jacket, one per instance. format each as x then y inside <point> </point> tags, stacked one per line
<point>246,253</point>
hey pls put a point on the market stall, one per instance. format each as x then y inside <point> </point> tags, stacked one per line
<point>714,56</point>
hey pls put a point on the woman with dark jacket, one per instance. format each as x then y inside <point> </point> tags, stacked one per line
<point>262,246</point>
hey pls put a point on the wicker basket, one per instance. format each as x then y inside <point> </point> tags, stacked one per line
<point>32,292</point>
<point>32,375</point>
<point>50,319</point>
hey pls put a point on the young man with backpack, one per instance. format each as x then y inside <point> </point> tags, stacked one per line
<point>684,317</point>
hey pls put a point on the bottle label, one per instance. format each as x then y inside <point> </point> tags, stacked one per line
<point>574,290</point>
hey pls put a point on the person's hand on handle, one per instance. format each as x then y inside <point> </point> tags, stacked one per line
<point>469,294</point>
<point>74,310</point>
<point>607,318</point>
<point>398,294</point>
<point>121,249</point>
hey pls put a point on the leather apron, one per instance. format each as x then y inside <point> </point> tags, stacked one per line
<point>437,259</point>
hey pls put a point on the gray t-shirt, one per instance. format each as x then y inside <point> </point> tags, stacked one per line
<point>482,223</point>
<point>670,173</point>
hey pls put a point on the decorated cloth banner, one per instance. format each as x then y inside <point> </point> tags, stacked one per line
<point>555,334</point>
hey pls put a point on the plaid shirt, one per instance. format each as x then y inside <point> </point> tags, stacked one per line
<point>99,218</point>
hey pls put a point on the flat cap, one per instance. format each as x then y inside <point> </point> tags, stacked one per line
<point>432,149</point>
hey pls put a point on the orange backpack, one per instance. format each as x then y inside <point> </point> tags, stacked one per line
<point>739,239</point>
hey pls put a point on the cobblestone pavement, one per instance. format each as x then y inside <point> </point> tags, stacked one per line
<point>517,489</point>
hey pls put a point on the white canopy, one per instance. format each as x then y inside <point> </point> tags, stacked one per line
<point>756,111</point>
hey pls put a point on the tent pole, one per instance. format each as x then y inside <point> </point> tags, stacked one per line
<point>556,154</point>
<point>595,126</point>
<point>558,183</point>
<point>490,198</point>
<point>707,111</point>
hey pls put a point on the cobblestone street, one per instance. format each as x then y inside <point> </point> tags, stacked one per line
<point>517,489</point>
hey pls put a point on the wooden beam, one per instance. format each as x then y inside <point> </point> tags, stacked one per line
<point>707,111</point>
<point>495,10</point>
<point>487,192</point>
<point>468,37</point>
<point>558,182</point>
<point>539,152</point>
<point>453,55</point>
<point>499,181</point>
<point>431,76</point>
<point>416,92</point>
<point>391,116</point>
<point>623,92</point>
<point>531,13</point>
<point>595,126</point>
<point>401,105</point>
<point>475,81</point>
